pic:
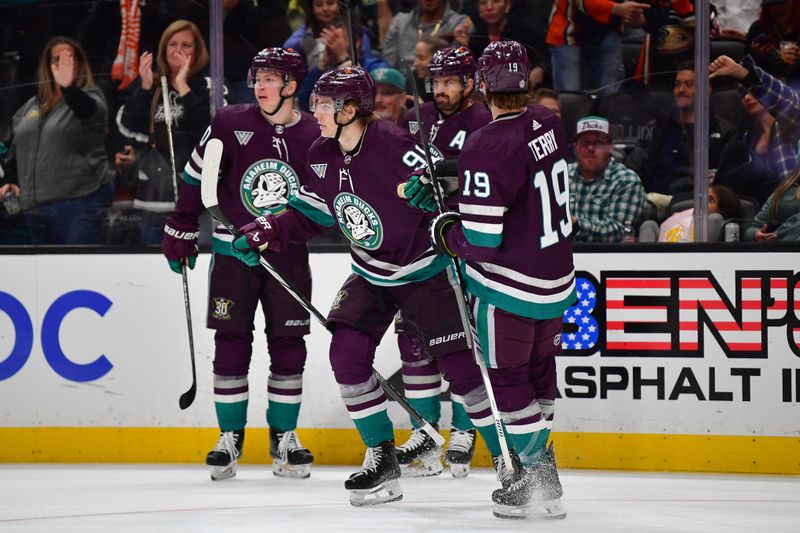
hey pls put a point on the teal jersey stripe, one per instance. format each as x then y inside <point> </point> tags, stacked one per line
<point>487,240</point>
<point>311,212</point>
<point>190,180</point>
<point>439,264</point>
<point>515,305</point>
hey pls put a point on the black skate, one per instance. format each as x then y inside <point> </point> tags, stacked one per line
<point>223,458</point>
<point>289,457</point>
<point>505,474</point>
<point>377,481</point>
<point>460,451</point>
<point>420,455</point>
<point>535,492</point>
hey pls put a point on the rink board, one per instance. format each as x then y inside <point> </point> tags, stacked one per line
<point>679,361</point>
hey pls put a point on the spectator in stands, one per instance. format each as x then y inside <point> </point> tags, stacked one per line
<point>769,154</point>
<point>423,53</point>
<point>390,94</point>
<point>590,33</point>
<point>547,98</point>
<point>779,217</point>
<point>181,57</point>
<point>502,20</point>
<point>323,19</point>
<point>665,162</point>
<point>57,164</point>
<point>723,204</point>
<point>336,52</point>
<point>606,197</point>
<point>774,39</point>
<point>432,18</point>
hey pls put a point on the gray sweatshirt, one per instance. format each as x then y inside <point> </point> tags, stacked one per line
<point>60,157</point>
<point>405,30</point>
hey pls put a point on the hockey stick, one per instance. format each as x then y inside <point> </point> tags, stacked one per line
<point>187,397</point>
<point>463,304</point>
<point>212,159</point>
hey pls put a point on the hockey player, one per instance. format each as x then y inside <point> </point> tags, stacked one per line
<point>264,161</point>
<point>515,235</point>
<point>450,118</point>
<point>359,163</point>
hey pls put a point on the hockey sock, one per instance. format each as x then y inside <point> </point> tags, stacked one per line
<point>367,406</point>
<point>476,403</point>
<point>461,420</point>
<point>285,394</point>
<point>422,382</point>
<point>527,433</point>
<point>231,394</point>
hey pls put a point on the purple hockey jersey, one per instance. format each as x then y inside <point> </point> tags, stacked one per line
<point>447,135</point>
<point>263,164</point>
<point>514,205</point>
<point>358,192</point>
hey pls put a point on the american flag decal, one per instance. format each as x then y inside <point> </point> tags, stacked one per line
<point>580,315</point>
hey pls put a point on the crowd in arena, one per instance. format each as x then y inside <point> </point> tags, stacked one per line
<point>85,157</point>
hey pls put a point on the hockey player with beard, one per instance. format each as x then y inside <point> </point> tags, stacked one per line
<point>514,234</point>
<point>450,118</point>
<point>264,161</point>
<point>359,162</point>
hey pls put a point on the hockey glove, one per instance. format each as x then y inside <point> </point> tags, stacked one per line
<point>179,244</point>
<point>256,236</point>
<point>418,191</point>
<point>440,226</point>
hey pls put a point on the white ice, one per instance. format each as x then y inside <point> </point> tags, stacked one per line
<point>125,498</point>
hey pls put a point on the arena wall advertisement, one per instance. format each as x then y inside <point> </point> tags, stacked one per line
<point>680,361</point>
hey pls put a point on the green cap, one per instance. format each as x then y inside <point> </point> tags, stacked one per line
<point>389,76</point>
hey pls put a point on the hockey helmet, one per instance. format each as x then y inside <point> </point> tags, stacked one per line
<point>287,61</point>
<point>503,67</point>
<point>347,83</point>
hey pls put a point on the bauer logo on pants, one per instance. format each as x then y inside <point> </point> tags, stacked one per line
<point>222,308</point>
<point>358,221</point>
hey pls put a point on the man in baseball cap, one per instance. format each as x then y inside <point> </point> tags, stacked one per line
<point>390,94</point>
<point>606,197</point>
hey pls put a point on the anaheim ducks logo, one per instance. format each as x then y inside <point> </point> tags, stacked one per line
<point>267,185</point>
<point>358,221</point>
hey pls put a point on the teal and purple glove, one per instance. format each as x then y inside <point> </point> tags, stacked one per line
<point>256,236</point>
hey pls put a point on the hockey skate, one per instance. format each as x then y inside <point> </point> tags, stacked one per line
<point>289,457</point>
<point>505,475</point>
<point>535,492</point>
<point>420,456</point>
<point>460,451</point>
<point>377,481</point>
<point>223,458</point>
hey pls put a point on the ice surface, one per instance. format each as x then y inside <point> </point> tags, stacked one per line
<point>151,498</point>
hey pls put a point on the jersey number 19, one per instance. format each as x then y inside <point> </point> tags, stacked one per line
<point>559,179</point>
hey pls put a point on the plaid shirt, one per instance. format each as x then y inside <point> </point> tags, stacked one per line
<point>605,206</point>
<point>784,104</point>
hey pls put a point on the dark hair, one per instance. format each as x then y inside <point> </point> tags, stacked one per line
<point>544,92</point>
<point>727,201</point>
<point>684,65</point>
<point>311,20</point>
<point>508,100</point>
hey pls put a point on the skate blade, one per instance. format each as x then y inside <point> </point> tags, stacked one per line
<point>459,471</point>
<point>425,466</point>
<point>218,473</point>
<point>281,469</point>
<point>386,492</point>
<point>543,510</point>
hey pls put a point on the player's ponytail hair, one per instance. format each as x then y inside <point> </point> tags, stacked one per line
<point>47,84</point>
